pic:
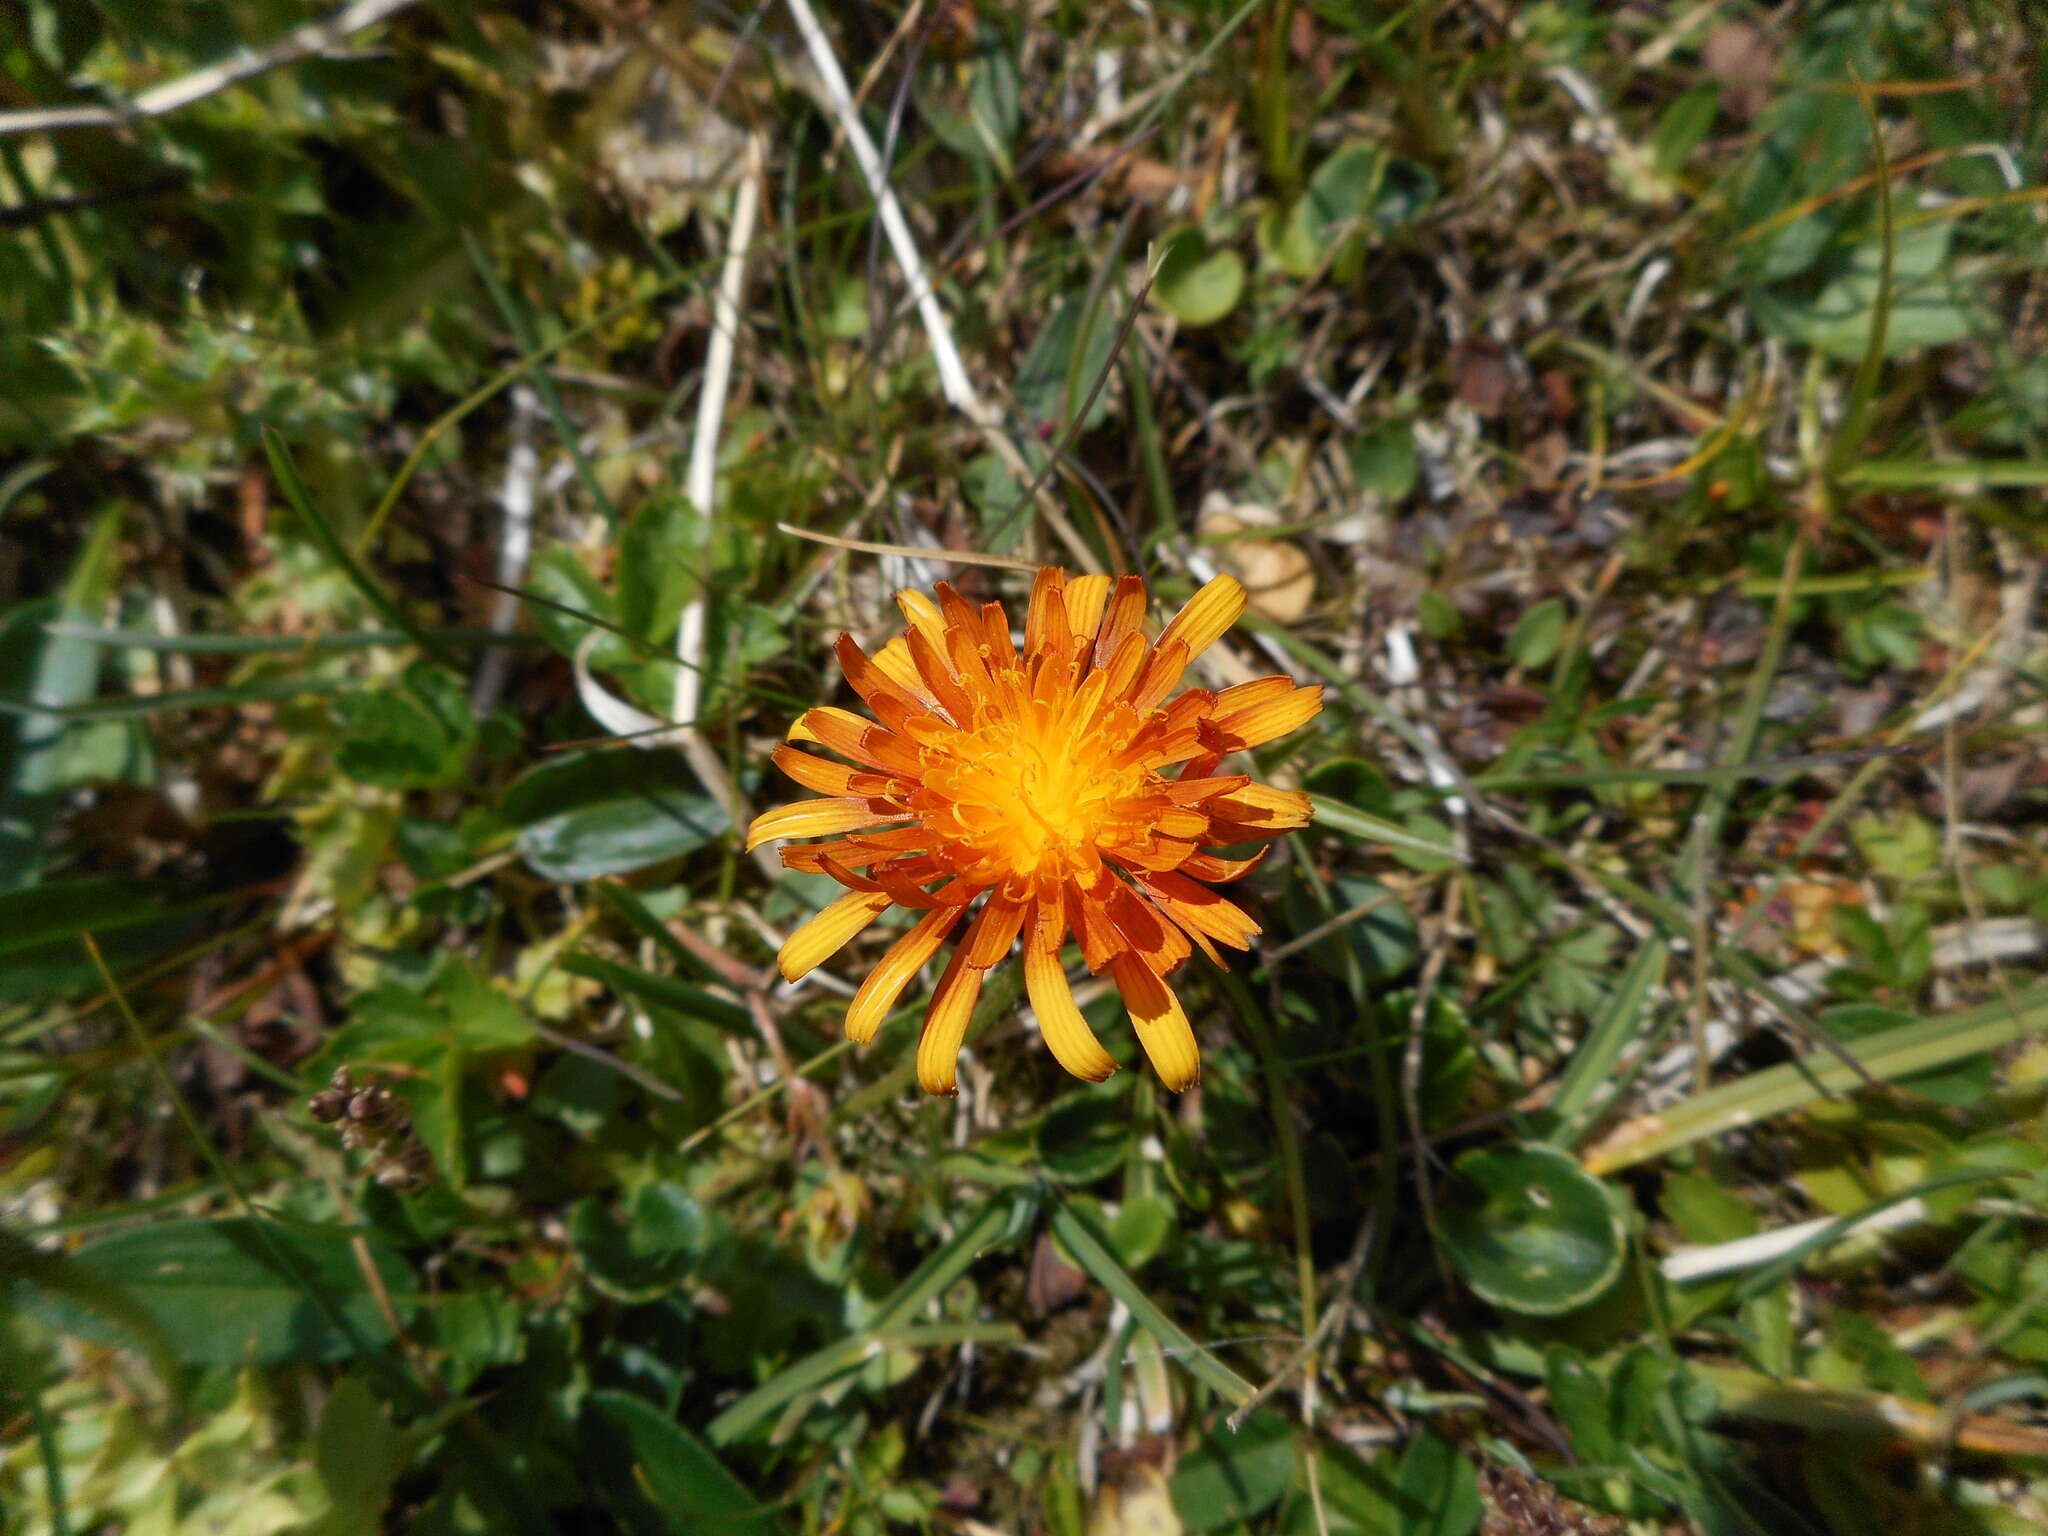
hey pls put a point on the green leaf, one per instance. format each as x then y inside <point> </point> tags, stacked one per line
<point>1384,461</point>
<point>415,734</point>
<point>1194,284</point>
<point>82,1289</point>
<point>55,673</point>
<point>220,1295</point>
<point>1359,1497</point>
<point>658,1477</point>
<point>1933,301</point>
<point>1438,1489</point>
<point>1538,634</point>
<point>1578,1397</point>
<point>1529,1229</point>
<point>39,929</point>
<point>1043,376</point>
<point>1085,1137</point>
<point>659,550</point>
<point>1380,939</point>
<point>1360,187</point>
<point>1139,1230</point>
<point>1683,125</point>
<point>1706,1211</point>
<point>649,1255</point>
<point>562,590</point>
<point>608,812</point>
<point>1228,1478</point>
<point>358,1453</point>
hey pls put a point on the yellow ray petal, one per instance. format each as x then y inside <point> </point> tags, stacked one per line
<point>818,818</point>
<point>893,662</point>
<point>828,932</point>
<point>1263,806</point>
<point>1067,1035</point>
<point>1086,597</point>
<point>1208,614</point>
<point>885,983</point>
<point>1162,1027</point>
<point>1268,720</point>
<point>945,1026</point>
<point>922,615</point>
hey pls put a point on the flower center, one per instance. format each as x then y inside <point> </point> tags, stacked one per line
<point>1019,797</point>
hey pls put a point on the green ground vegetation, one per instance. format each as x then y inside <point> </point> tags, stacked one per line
<point>1636,414</point>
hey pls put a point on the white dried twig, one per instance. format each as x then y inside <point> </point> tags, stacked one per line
<point>173,95</point>
<point>700,484</point>
<point>1702,1263</point>
<point>954,383</point>
<point>516,501</point>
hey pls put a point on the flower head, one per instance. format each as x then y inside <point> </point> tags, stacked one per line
<point>1036,783</point>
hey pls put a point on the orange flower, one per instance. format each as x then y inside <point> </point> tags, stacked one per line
<point>1034,783</point>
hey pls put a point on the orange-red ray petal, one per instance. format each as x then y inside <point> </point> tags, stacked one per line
<point>1213,869</point>
<point>830,778</point>
<point>995,929</point>
<point>1121,619</point>
<point>851,736</point>
<point>1144,930</point>
<point>1045,620</point>
<point>1263,807</point>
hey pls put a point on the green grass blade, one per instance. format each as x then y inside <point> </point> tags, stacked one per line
<point>1591,1071</point>
<point>1886,1056</point>
<point>662,991</point>
<point>1855,420</point>
<point>1352,822</point>
<point>544,386</point>
<point>331,545</point>
<point>995,1221</point>
<point>1967,474</point>
<point>1093,1255</point>
<point>132,706</point>
<point>273,645</point>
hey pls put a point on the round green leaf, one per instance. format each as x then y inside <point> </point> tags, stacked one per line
<point>1529,1229</point>
<point>1139,1230</point>
<point>1195,285</point>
